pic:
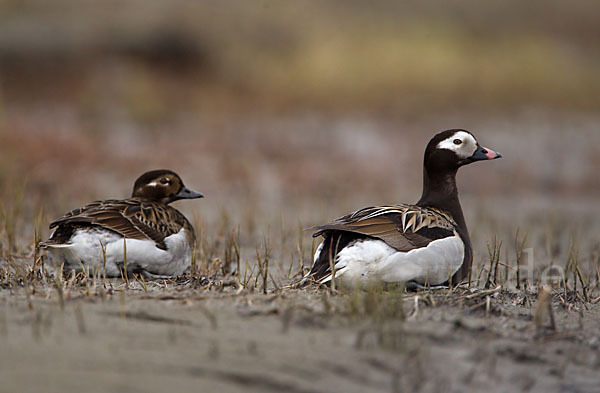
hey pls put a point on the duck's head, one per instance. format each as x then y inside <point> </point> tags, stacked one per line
<point>452,149</point>
<point>163,186</point>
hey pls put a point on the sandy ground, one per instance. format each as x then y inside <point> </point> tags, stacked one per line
<point>292,341</point>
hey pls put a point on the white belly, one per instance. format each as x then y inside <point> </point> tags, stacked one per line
<point>85,251</point>
<point>373,261</point>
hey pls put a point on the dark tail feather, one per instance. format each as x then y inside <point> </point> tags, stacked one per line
<point>333,242</point>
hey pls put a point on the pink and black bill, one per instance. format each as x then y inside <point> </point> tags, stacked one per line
<point>483,153</point>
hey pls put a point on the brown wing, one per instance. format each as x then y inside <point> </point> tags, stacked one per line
<point>403,227</point>
<point>132,218</point>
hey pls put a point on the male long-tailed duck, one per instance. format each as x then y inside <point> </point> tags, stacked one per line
<point>141,232</point>
<point>426,244</point>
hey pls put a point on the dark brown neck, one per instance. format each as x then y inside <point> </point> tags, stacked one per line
<point>440,191</point>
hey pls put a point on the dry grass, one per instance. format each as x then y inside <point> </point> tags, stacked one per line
<point>223,258</point>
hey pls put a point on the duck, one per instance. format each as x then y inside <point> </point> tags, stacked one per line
<point>421,245</point>
<point>141,234</point>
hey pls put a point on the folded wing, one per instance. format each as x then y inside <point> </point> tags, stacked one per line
<point>132,218</point>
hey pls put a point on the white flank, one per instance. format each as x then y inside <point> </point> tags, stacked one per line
<point>463,150</point>
<point>85,248</point>
<point>373,261</point>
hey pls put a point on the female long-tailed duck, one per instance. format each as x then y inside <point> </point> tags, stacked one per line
<point>142,232</point>
<point>425,244</point>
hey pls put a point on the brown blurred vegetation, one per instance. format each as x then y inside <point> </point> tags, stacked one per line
<point>382,55</point>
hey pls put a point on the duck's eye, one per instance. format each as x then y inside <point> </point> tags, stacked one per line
<point>164,181</point>
<point>457,141</point>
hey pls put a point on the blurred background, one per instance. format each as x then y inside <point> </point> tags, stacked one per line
<point>286,114</point>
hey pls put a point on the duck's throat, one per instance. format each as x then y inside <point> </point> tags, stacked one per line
<point>440,191</point>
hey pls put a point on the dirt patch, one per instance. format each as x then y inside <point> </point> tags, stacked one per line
<point>304,340</point>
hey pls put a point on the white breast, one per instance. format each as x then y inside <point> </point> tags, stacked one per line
<point>85,249</point>
<point>373,261</point>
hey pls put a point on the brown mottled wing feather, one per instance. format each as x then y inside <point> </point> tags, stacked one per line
<point>403,227</point>
<point>132,218</point>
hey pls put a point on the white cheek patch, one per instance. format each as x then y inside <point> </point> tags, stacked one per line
<point>156,183</point>
<point>465,149</point>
